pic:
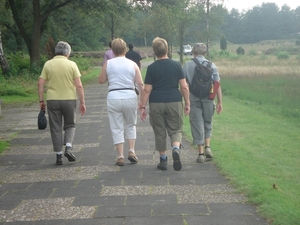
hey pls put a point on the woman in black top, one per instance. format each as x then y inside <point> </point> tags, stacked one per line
<point>165,102</point>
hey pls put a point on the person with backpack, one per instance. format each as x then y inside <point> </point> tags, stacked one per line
<point>202,105</point>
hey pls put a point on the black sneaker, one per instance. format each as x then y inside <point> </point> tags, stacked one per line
<point>162,165</point>
<point>59,159</point>
<point>68,153</point>
<point>176,159</point>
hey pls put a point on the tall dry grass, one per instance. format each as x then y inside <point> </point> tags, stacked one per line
<point>257,66</point>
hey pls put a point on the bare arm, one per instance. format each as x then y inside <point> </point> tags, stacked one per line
<point>143,100</point>
<point>219,107</point>
<point>138,78</point>
<point>80,92</point>
<point>103,76</point>
<point>41,85</point>
<point>184,88</point>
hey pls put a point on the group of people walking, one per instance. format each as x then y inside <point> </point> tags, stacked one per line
<point>163,95</point>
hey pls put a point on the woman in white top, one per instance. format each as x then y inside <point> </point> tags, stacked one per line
<point>122,75</point>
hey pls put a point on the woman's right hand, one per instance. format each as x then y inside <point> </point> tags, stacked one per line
<point>42,105</point>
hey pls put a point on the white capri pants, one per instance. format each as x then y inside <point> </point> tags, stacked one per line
<point>122,115</point>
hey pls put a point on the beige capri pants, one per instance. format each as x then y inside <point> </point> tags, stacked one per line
<point>166,118</point>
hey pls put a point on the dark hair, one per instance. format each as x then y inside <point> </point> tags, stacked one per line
<point>109,44</point>
<point>130,46</point>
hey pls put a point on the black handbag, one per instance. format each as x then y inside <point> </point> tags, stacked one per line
<point>42,120</point>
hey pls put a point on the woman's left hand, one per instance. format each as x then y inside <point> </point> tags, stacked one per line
<point>187,110</point>
<point>143,114</point>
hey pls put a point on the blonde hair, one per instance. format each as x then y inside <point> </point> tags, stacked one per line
<point>160,47</point>
<point>118,46</point>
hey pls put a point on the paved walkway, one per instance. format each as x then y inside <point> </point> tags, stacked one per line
<point>93,190</point>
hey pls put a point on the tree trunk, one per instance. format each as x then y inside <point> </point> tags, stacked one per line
<point>112,36</point>
<point>207,27</point>
<point>181,30</point>
<point>34,50</point>
<point>4,64</point>
<point>32,37</point>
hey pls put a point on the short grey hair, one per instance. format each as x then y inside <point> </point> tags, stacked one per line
<point>199,49</point>
<point>62,48</point>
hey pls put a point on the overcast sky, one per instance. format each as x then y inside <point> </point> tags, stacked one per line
<point>248,4</point>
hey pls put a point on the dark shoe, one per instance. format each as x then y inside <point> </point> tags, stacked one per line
<point>176,159</point>
<point>68,153</point>
<point>59,159</point>
<point>208,153</point>
<point>162,165</point>
<point>132,157</point>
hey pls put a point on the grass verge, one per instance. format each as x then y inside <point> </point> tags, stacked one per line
<point>255,151</point>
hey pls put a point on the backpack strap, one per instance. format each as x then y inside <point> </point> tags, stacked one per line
<point>196,61</point>
<point>209,63</point>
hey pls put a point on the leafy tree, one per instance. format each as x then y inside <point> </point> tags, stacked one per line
<point>116,17</point>
<point>265,22</point>
<point>31,17</point>
<point>286,20</point>
<point>138,31</point>
<point>78,27</point>
<point>24,12</point>
<point>10,33</point>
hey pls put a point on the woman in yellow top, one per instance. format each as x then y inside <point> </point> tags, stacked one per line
<point>63,81</point>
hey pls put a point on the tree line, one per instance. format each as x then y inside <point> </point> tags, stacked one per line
<point>34,26</point>
<point>264,22</point>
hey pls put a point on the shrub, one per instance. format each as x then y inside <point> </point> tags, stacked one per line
<point>283,55</point>
<point>223,43</point>
<point>253,52</point>
<point>82,62</point>
<point>223,53</point>
<point>18,62</point>
<point>263,57</point>
<point>240,51</point>
<point>212,55</point>
<point>233,56</point>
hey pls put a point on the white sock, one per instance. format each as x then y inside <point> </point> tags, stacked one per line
<point>131,150</point>
<point>59,153</point>
<point>68,144</point>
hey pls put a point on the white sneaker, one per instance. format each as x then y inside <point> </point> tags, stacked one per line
<point>200,159</point>
<point>208,153</point>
